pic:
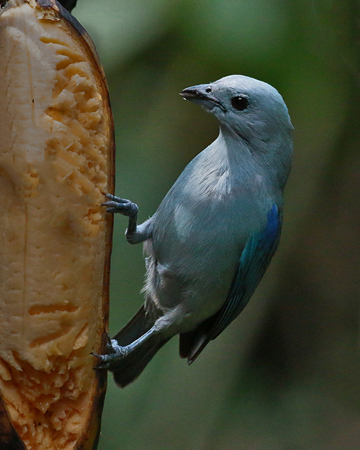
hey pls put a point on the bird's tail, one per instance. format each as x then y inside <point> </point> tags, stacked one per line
<point>130,367</point>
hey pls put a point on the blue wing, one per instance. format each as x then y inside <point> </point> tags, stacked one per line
<point>254,261</point>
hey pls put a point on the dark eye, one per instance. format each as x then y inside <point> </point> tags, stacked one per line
<point>239,102</point>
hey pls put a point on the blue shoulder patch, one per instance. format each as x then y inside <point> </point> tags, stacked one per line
<point>254,261</point>
<point>270,234</point>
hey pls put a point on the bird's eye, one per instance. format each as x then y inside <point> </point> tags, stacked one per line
<point>240,102</point>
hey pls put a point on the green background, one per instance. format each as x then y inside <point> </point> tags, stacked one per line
<point>286,374</point>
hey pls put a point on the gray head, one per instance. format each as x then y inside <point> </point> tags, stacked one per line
<point>243,104</point>
<point>252,110</point>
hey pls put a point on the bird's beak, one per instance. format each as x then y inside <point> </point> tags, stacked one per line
<point>202,94</point>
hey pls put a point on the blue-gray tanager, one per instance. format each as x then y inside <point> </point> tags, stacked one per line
<point>214,234</point>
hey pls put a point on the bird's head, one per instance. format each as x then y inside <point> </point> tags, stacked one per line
<point>252,109</point>
<point>253,117</point>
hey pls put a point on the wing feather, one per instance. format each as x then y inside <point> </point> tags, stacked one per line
<point>254,261</point>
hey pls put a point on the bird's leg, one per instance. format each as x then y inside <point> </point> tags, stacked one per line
<point>134,234</point>
<point>116,352</point>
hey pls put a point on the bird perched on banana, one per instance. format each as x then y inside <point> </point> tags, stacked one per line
<point>213,236</point>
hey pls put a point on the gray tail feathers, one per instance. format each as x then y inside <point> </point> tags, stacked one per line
<point>130,367</point>
<point>135,328</point>
<point>194,342</point>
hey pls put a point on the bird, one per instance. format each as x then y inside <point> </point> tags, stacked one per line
<point>215,232</point>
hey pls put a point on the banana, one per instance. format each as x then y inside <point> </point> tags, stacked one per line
<point>56,165</point>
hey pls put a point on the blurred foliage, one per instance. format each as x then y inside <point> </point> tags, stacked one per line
<point>285,375</point>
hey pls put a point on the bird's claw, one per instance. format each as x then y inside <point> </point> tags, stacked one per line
<point>121,206</point>
<point>114,353</point>
<point>103,361</point>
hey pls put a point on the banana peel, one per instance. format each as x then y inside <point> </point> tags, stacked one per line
<point>56,165</point>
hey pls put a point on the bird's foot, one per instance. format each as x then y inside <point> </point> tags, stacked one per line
<point>114,353</point>
<point>121,206</point>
